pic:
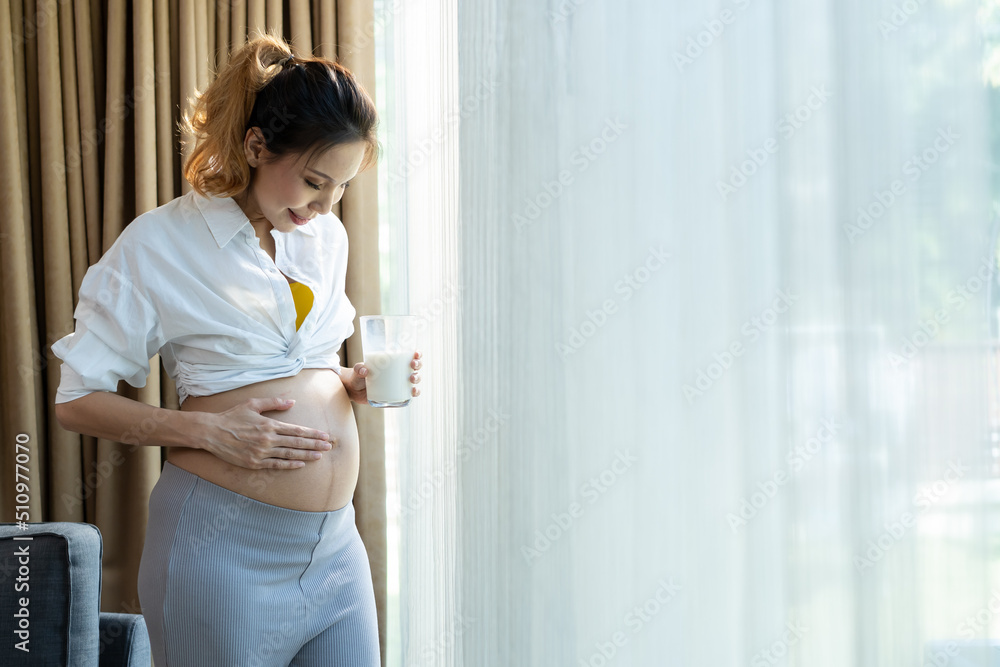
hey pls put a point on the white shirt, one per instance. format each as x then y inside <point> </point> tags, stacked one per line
<point>189,280</point>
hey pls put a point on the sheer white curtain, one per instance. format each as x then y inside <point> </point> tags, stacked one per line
<point>718,385</point>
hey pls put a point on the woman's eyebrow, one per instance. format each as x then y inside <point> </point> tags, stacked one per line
<point>321,174</point>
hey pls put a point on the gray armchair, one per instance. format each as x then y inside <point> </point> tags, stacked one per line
<point>58,575</point>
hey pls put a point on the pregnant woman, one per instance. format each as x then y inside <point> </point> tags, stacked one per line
<point>251,554</point>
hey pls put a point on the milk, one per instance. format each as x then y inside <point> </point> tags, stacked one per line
<point>388,380</point>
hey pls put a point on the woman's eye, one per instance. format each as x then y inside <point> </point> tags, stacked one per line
<point>312,185</point>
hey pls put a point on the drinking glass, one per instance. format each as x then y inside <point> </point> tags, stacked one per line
<point>388,343</point>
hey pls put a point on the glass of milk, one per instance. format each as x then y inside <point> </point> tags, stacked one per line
<point>388,343</point>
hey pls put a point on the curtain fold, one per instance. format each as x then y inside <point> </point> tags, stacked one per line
<point>20,361</point>
<point>93,91</point>
<point>423,177</point>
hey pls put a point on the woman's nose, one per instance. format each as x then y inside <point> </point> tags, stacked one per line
<point>324,203</point>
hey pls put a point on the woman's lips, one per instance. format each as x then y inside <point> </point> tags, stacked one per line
<point>296,219</point>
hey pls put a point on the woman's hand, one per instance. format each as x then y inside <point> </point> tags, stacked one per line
<point>354,379</point>
<point>244,437</point>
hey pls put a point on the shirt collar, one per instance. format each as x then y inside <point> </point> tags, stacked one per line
<point>225,218</point>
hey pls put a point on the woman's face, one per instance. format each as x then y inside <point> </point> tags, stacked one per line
<point>294,186</point>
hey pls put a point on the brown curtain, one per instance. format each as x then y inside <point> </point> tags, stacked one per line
<point>92,92</point>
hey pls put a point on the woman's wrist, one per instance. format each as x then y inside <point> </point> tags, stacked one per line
<point>186,428</point>
<point>350,379</point>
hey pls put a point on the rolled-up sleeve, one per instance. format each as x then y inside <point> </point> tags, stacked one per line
<point>117,332</point>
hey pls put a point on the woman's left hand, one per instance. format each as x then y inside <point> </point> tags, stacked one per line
<point>354,379</point>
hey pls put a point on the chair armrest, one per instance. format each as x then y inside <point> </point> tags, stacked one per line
<point>124,641</point>
<point>58,574</point>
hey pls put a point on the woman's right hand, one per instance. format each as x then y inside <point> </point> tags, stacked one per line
<point>244,437</point>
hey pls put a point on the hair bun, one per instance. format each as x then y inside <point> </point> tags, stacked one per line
<point>284,62</point>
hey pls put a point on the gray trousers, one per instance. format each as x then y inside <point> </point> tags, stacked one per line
<point>229,581</point>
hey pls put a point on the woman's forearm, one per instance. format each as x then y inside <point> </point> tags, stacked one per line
<point>106,415</point>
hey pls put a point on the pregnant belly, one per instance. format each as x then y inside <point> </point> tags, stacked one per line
<point>321,402</point>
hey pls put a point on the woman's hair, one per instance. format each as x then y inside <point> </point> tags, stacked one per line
<point>300,104</point>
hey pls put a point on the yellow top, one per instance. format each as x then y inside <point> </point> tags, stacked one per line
<point>303,298</point>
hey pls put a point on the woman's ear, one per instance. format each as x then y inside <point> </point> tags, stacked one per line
<point>253,146</point>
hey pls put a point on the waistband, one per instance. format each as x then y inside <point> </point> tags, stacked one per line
<point>235,509</point>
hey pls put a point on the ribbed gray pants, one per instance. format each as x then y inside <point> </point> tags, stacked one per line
<point>229,581</point>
